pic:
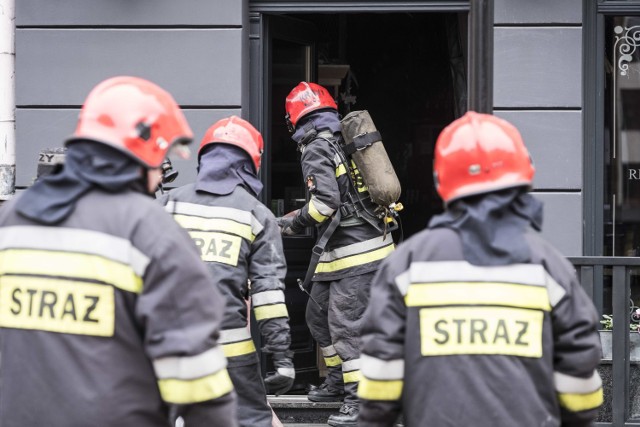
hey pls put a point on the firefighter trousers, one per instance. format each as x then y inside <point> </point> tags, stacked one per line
<point>336,325</point>
<point>253,409</point>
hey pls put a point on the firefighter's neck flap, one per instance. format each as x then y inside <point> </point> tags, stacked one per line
<point>316,121</point>
<point>87,166</point>
<point>223,167</point>
<point>491,226</point>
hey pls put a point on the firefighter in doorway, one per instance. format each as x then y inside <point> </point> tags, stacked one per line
<point>93,332</point>
<point>477,320</point>
<point>240,241</point>
<point>350,257</point>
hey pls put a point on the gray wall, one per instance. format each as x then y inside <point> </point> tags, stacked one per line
<point>538,87</point>
<point>195,49</point>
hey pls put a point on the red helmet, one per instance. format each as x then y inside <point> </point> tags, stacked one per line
<point>305,98</point>
<point>235,131</point>
<point>135,116</point>
<point>480,153</point>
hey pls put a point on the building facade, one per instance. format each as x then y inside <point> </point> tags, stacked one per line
<point>566,73</point>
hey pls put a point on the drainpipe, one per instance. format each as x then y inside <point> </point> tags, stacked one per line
<point>7,100</point>
<point>481,56</point>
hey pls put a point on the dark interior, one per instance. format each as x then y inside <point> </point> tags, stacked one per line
<point>409,71</point>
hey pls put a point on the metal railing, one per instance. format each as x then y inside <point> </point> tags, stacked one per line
<point>592,272</point>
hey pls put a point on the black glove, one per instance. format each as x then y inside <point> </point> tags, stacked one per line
<point>282,380</point>
<point>288,225</point>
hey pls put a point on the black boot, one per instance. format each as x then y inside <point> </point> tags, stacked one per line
<point>332,389</point>
<point>325,393</point>
<point>348,417</point>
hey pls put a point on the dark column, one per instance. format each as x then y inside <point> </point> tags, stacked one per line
<point>481,56</point>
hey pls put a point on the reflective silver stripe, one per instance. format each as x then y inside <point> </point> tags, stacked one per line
<point>328,351</point>
<point>190,367</point>
<point>238,215</point>
<point>322,207</point>
<point>234,335</point>
<point>287,372</point>
<point>336,160</point>
<point>350,365</point>
<point>74,240</point>
<point>267,297</point>
<point>462,271</point>
<point>378,369</point>
<point>403,282</point>
<point>356,248</point>
<point>555,291</point>
<point>569,384</point>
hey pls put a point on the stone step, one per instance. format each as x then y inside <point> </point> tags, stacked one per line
<point>292,409</point>
<point>298,411</point>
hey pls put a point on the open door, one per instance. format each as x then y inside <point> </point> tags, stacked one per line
<point>289,58</point>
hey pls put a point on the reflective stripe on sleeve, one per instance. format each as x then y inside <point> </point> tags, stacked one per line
<point>270,311</point>
<point>239,348</point>
<point>378,369</point>
<point>478,293</point>
<point>318,210</point>
<point>184,392</point>
<point>234,335</point>
<point>578,394</point>
<point>236,342</point>
<point>581,402</point>
<point>191,379</point>
<point>380,390</point>
<point>190,367</point>
<point>267,297</point>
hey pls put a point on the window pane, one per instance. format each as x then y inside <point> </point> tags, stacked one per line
<point>622,137</point>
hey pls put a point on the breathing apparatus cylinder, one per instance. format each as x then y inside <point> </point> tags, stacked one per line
<point>363,143</point>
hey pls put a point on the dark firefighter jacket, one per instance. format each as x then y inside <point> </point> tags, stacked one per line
<point>356,247</point>
<point>457,344</point>
<point>240,241</point>
<point>107,318</point>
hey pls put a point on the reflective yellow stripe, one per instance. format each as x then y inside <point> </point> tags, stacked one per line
<point>456,293</point>
<point>315,214</point>
<point>198,390</point>
<point>380,390</point>
<point>340,170</point>
<point>70,265</point>
<point>270,311</point>
<point>351,377</point>
<point>238,348</point>
<point>580,402</point>
<point>333,361</point>
<point>215,224</point>
<point>354,260</point>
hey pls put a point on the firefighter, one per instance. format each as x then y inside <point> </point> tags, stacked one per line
<point>240,241</point>
<point>109,317</point>
<point>477,320</point>
<point>350,256</point>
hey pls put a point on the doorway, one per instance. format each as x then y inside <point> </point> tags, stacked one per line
<point>407,69</point>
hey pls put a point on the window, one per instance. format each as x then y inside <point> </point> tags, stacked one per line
<point>622,136</point>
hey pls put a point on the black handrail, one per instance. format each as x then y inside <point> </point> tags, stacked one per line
<point>591,271</point>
